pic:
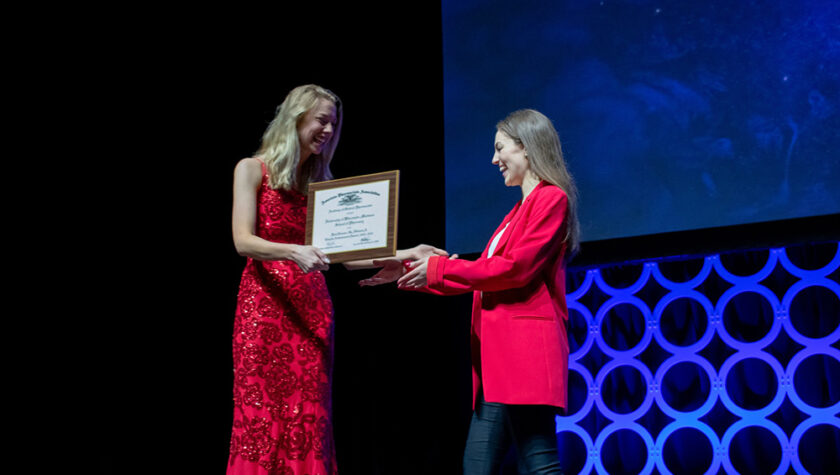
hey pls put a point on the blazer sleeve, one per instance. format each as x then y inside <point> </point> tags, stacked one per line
<point>524,257</point>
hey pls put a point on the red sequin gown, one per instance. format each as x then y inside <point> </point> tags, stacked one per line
<point>282,355</point>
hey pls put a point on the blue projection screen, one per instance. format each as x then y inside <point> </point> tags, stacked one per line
<point>674,115</point>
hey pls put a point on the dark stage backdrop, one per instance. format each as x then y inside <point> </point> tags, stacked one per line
<point>673,115</point>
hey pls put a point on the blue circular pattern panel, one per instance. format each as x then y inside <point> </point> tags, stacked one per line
<point>724,363</point>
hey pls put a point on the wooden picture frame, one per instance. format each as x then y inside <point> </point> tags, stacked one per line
<point>354,218</point>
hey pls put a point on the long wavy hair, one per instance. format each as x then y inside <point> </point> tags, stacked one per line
<point>280,149</point>
<point>535,132</point>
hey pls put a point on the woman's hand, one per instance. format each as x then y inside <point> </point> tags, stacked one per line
<point>395,267</point>
<point>309,258</point>
<point>413,255</point>
<point>415,278</point>
<point>419,252</point>
<point>391,270</point>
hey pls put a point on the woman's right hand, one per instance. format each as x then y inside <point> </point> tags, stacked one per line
<point>309,258</point>
<point>391,270</point>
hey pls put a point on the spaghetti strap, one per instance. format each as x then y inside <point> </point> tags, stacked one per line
<point>262,165</point>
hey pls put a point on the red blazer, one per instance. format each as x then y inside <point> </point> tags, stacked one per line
<point>520,348</point>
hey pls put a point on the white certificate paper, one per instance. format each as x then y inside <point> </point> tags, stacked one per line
<point>351,218</point>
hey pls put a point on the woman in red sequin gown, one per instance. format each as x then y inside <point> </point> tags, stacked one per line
<point>283,330</point>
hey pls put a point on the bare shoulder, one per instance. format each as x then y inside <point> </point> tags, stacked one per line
<point>248,170</point>
<point>248,165</point>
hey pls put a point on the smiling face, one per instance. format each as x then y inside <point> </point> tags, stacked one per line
<point>511,159</point>
<point>316,128</point>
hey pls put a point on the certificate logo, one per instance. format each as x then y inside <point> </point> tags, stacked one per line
<point>350,199</point>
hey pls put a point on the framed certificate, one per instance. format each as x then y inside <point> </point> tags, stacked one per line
<point>354,218</point>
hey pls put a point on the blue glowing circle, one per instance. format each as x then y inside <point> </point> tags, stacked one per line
<point>758,429</point>
<point>770,329</point>
<point>623,435</point>
<point>644,385</point>
<point>602,314</point>
<point>665,378</point>
<point>623,326</point>
<point>689,423</point>
<point>749,365</point>
<point>800,324</point>
<point>825,379</point>
<point>817,441</point>
<point>665,327</point>
<point>699,460</point>
<point>711,376</point>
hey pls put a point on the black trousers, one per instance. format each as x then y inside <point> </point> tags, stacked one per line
<point>494,426</point>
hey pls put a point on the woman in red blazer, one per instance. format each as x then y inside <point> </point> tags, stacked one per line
<point>520,348</point>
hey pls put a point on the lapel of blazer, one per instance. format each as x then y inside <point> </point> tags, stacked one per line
<point>506,220</point>
<point>514,218</point>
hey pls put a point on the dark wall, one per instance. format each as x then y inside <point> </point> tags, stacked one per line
<point>206,85</point>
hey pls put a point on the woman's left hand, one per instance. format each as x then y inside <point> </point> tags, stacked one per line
<point>415,278</point>
<point>419,252</point>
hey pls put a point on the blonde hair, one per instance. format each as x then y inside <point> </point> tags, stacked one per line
<point>280,148</point>
<point>535,132</point>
